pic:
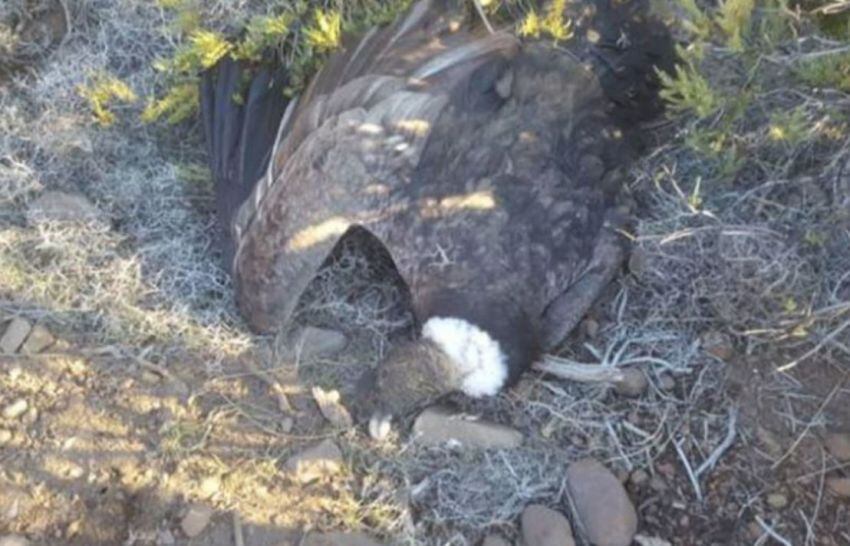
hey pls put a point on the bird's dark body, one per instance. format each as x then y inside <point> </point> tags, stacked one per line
<point>489,168</point>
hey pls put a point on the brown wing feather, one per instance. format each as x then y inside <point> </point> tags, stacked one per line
<point>351,143</point>
<point>517,204</point>
<point>483,167</point>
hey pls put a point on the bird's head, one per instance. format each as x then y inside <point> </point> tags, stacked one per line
<point>410,375</point>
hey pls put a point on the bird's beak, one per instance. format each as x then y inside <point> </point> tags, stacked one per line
<point>380,425</point>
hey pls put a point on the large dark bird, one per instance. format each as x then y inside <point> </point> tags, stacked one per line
<point>489,168</point>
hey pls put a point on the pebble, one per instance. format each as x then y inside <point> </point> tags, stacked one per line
<point>13,540</point>
<point>15,409</point>
<point>165,538</point>
<point>313,342</point>
<point>777,500</point>
<point>542,526</point>
<point>322,460</point>
<point>16,332</point>
<point>602,505</point>
<point>839,486</point>
<point>437,425</point>
<point>667,469</point>
<point>31,416</point>
<point>590,327</point>
<point>638,262</point>
<point>838,445</point>
<point>339,539</point>
<point>495,540</point>
<point>196,520</point>
<point>768,441</point>
<point>666,382</point>
<point>639,477</point>
<point>5,436</point>
<point>74,471</point>
<point>633,384</point>
<point>57,206</point>
<point>657,483</point>
<point>210,486</point>
<point>643,540</point>
<point>505,83</point>
<point>150,377</point>
<point>286,424</point>
<point>717,344</point>
<point>39,339</point>
<point>331,407</point>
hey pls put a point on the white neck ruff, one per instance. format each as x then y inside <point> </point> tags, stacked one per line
<point>477,356</point>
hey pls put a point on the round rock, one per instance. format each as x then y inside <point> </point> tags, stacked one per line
<point>840,487</point>
<point>339,539</point>
<point>15,409</point>
<point>13,540</point>
<point>320,461</point>
<point>633,384</point>
<point>838,445</point>
<point>542,526</point>
<point>14,335</point>
<point>196,520</point>
<point>601,503</point>
<point>39,339</point>
<point>437,425</point>
<point>777,500</point>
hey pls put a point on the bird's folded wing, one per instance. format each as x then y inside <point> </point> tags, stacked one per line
<point>353,141</point>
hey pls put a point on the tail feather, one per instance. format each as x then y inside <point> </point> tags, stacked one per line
<point>240,130</point>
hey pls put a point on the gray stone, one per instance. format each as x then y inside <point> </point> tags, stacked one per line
<point>651,541</point>
<point>13,540</point>
<point>601,503</point>
<point>542,526</point>
<point>777,500</point>
<point>196,520</point>
<point>438,425</point>
<point>718,344</point>
<point>633,384</point>
<point>339,539</point>
<point>495,540</point>
<point>15,409</point>
<point>39,339</point>
<point>311,342</point>
<point>590,328</point>
<point>840,487</point>
<point>639,477</point>
<point>322,460</point>
<point>666,382</point>
<point>838,445</point>
<point>57,206</point>
<point>16,332</point>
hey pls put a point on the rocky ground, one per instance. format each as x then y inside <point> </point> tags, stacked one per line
<point>135,409</point>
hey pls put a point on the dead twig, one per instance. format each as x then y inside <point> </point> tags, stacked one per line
<point>772,532</point>
<point>811,422</point>
<point>480,9</point>
<point>575,371</point>
<point>712,459</point>
<point>688,469</point>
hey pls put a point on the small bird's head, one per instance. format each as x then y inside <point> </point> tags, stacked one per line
<point>410,375</point>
